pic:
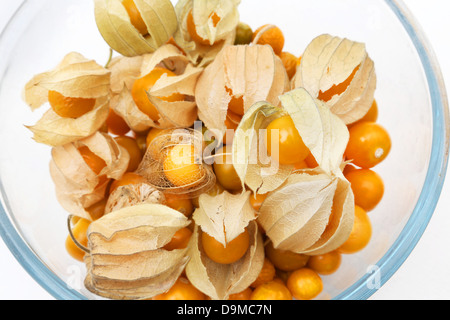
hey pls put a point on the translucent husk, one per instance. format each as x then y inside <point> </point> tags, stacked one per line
<point>75,77</point>
<point>77,186</point>
<point>115,26</point>
<point>330,61</point>
<point>219,281</point>
<point>254,73</point>
<point>219,36</point>
<point>325,135</point>
<point>152,168</point>
<point>127,259</point>
<point>312,213</point>
<point>177,114</point>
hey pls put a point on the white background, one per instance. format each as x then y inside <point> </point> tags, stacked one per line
<point>424,275</point>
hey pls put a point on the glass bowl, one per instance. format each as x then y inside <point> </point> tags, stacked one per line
<point>410,94</point>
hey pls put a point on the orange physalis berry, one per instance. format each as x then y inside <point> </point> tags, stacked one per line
<point>182,290</point>
<point>68,107</point>
<point>305,284</point>
<point>290,63</point>
<point>273,37</point>
<point>243,295</point>
<point>369,144</point>
<point>135,16</point>
<point>79,232</point>
<point>285,260</point>
<point>371,115</point>
<point>360,235</point>
<point>133,149</point>
<point>225,172</point>
<point>272,290</point>
<point>182,166</point>
<point>266,274</point>
<point>367,186</point>
<point>291,149</point>
<point>143,85</point>
<point>92,160</point>
<point>179,203</point>
<point>180,240</point>
<point>232,252</point>
<point>325,264</point>
<point>116,125</point>
<point>256,200</point>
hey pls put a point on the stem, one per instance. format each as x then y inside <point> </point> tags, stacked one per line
<point>110,58</point>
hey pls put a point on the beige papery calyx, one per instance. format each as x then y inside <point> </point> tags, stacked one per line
<point>126,257</point>
<point>307,211</point>
<point>115,25</point>
<point>177,114</point>
<point>74,77</point>
<point>224,217</point>
<point>77,186</point>
<point>332,64</point>
<point>215,23</point>
<point>251,72</point>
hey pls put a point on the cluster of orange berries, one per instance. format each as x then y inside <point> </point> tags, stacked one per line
<point>285,275</point>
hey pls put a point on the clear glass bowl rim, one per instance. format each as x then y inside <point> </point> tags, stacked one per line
<point>392,259</point>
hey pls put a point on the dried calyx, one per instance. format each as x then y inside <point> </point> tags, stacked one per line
<point>340,73</point>
<point>74,78</point>
<point>239,77</point>
<point>82,170</point>
<point>205,28</point>
<point>127,259</point>
<point>170,98</point>
<point>135,27</point>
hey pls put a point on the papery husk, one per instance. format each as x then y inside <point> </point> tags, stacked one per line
<point>219,36</point>
<point>312,213</point>
<point>75,77</point>
<point>329,61</point>
<point>133,194</point>
<point>124,71</point>
<point>224,216</point>
<point>152,169</point>
<point>177,114</point>
<point>252,72</point>
<point>325,135</point>
<point>219,281</point>
<point>77,186</point>
<point>255,169</point>
<point>127,259</point>
<point>115,26</point>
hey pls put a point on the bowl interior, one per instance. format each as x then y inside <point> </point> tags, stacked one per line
<point>45,31</point>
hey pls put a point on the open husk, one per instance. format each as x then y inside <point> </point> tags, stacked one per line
<point>312,213</point>
<point>77,186</point>
<point>332,61</point>
<point>152,165</point>
<point>177,114</point>
<point>127,259</point>
<point>75,77</point>
<point>116,28</point>
<point>224,217</point>
<point>217,34</point>
<point>325,135</point>
<point>254,73</point>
